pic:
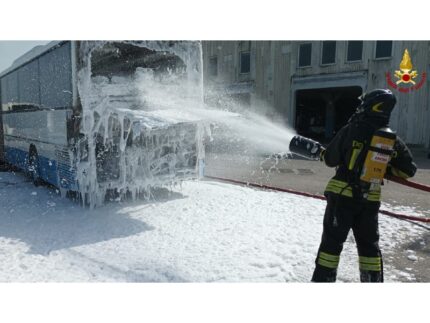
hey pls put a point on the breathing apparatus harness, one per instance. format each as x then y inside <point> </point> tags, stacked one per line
<point>368,160</point>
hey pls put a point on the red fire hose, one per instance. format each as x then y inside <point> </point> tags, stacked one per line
<point>321,197</point>
<point>406,182</point>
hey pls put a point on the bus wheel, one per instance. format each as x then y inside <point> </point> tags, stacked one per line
<point>33,166</point>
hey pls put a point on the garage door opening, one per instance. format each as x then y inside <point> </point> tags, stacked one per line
<point>320,113</point>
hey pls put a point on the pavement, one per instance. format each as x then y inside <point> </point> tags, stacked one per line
<point>312,177</point>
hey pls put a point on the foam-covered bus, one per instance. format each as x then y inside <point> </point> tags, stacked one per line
<point>97,117</point>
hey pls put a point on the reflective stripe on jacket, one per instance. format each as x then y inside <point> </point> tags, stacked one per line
<point>343,188</point>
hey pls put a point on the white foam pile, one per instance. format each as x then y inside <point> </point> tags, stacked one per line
<point>199,232</point>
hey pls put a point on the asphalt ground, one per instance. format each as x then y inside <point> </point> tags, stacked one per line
<point>312,177</point>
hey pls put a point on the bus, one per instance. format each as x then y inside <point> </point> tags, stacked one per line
<point>103,118</point>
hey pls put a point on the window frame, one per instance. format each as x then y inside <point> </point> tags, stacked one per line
<point>321,53</point>
<point>210,66</point>
<point>346,52</point>
<point>240,62</point>
<point>298,56</point>
<point>385,57</point>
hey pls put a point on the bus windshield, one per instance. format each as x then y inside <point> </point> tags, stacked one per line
<point>147,75</point>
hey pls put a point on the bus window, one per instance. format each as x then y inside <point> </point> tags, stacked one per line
<point>10,89</point>
<point>28,78</point>
<point>56,78</point>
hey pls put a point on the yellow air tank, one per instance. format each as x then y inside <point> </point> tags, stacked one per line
<point>378,156</point>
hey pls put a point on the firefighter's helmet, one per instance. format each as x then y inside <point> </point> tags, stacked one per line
<point>377,103</point>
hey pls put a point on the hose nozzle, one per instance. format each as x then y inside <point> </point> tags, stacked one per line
<point>307,148</point>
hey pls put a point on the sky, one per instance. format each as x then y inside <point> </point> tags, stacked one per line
<point>11,50</point>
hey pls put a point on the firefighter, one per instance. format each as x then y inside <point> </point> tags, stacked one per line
<point>363,152</point>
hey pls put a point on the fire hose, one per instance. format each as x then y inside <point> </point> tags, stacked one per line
<point>321,197</point>
<point>406,182</point>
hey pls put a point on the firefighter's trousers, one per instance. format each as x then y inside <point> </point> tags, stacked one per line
<point>342,214</point>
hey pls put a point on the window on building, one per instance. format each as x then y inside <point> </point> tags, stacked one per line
<point>245,62</point>
<point>305,54</point>
<point>328,52</point>
<point>213,66</point>
<point>383,49</point>
<point>355,51</point>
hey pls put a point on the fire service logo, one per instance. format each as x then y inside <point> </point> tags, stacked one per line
<point>406,76</point>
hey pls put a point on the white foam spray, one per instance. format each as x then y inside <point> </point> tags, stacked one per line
<point>164,116</point>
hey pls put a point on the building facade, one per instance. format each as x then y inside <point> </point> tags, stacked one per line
<point>313,86</point>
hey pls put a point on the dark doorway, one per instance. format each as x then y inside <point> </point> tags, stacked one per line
<point>320,113</point>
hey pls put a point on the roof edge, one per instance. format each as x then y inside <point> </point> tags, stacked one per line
<point>30,55</point>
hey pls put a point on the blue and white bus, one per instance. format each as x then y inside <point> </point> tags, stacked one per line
<point>89,116</point>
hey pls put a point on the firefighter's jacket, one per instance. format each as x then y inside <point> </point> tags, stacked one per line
<point>340,153</point>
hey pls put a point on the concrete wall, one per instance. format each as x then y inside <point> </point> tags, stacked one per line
<point>411,117</point>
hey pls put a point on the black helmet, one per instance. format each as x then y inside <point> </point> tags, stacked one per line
<point>377,103</point>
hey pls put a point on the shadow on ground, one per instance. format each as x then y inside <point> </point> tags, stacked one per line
<point>43,220</point>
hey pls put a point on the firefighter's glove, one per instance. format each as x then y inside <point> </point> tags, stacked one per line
<point>322,153</point>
